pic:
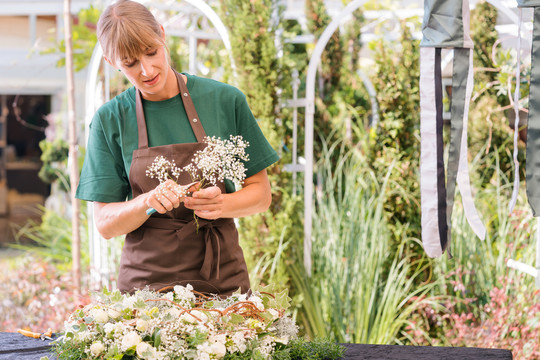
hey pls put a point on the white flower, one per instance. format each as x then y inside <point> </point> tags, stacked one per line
<point>130,339</point>
<point>174,312</point>
<point>109,327</point>
<point>142,325</point>
<point>192,316</point>
<point>239,342</point>
<point>219,349</point>
<point>185,292</point>
<point>274,313</point>
<point>219,160</point>
<point>258,302</point>
<point>113,313</point>
<point>97,348</point>
<point>119,328</point>
<point>146,351</point>
<point>128,302</point>
<point>99,315</point>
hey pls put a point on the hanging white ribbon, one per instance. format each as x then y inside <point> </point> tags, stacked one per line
<point>428,154</point>
<point>515,191</point>
<point>463,179</point>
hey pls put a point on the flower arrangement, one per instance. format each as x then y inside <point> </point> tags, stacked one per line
<point>219,160</point>
<point>179,324</point>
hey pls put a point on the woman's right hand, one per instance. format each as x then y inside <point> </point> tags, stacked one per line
<point>167,196</point>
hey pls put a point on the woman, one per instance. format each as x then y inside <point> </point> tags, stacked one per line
<point>167,113</point>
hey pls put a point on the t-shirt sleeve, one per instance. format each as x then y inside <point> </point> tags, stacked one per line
<point>103,177</point>
<point>261,153</point>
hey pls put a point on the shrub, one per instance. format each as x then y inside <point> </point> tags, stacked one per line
<point>35,295</point>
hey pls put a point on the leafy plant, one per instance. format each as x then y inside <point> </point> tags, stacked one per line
<point>52,238</point>
<point>35,294</point>
<point>396,138</point>
<point>54,155</point>
<point>352,295</point>
<point>84,39</point>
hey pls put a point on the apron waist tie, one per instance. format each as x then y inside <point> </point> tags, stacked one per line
<point>211,240</point>
<point>211,235</point>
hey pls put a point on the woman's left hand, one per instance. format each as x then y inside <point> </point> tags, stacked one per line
<point>206,203</point>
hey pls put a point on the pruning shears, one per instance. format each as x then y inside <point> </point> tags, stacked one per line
<point>42,336</point>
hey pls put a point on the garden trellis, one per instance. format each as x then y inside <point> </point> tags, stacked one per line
<point>533,133</point>
<point>446,26</point>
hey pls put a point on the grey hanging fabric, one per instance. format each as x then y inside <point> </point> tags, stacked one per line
<point>446,25</point>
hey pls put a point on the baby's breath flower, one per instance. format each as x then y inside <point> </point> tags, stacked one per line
<point>220,160</point>
<point>163,169</point>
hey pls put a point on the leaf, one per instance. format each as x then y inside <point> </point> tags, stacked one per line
<point>235,319</point>
<point>139,304</point>
<point>116,296</point>
<point>156,337</point>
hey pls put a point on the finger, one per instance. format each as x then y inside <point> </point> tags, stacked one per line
<point>209,215</point>
<point>204,207</point>
<point>207,193</point>
<point>163,200</point>
<point>194,203</point>
<point>170,196</point>
<point>156,205</point>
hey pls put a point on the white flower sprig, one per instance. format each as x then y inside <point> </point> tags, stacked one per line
<point>163,169</point>
<point>181,324</point>
<point>219,160</point>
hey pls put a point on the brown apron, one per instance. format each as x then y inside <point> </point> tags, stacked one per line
<point>168,249</point>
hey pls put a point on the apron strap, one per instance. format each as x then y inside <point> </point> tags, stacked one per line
<point>191,113</point>
<point>141,121</point>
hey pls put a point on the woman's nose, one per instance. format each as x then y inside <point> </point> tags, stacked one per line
<point>145,67</point>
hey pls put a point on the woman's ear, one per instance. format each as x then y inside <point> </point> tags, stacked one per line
<point>110,62</point>
<point>162,32</point>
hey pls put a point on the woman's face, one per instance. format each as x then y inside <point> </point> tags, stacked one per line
<point>150,74</point>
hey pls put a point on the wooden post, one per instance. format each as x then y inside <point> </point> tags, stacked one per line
<point>73,163</point>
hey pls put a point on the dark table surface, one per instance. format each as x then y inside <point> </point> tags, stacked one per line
<point>14,346</point>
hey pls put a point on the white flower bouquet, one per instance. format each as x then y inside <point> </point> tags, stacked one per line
<point>180,324</point>
<point>219,160</point>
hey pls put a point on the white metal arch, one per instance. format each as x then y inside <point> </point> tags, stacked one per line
<point>101,263</point>
<point>310,111</point>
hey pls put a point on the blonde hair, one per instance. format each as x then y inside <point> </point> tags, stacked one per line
<point>125,29</point>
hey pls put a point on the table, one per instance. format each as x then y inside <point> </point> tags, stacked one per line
<point>14,346</point>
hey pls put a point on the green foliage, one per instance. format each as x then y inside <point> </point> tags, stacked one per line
<point>491,113</point>
<point>84,39</point>
<point>508,236</point>
<point>54,155</point>
<point>52,238</point>
<point>256,60</point>
<point>300,349</point>
<point>352,294</point>
<point>34,293</point>
<point>332,57</point>
<point>396,138</point>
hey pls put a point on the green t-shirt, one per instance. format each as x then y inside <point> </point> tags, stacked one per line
<point>113,136</point>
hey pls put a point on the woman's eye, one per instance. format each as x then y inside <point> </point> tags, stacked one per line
<point>152,53</point>
<point>130,64</point>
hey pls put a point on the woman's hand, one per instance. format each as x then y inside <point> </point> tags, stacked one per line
<point>254,197</point>
<point>206,203</point>
<point>166,196</point>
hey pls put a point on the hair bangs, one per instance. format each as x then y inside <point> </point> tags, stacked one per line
<point>128,41</point>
